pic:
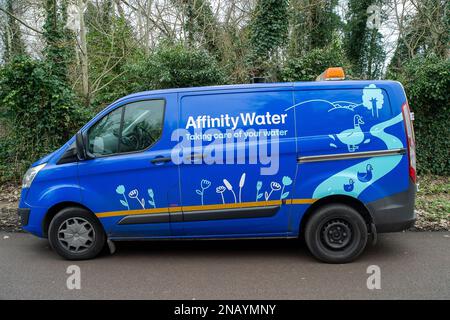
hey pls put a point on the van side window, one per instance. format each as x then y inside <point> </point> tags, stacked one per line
<point>103,137</point>
<point>133,127</point>
<point>142,125</point>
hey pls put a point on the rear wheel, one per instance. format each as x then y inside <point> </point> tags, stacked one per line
<point>336,233</point>
<point>76,234</point>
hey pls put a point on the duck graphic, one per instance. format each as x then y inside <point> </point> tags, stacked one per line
<point>352,137</point>
<point>350,186</point>
<point>366,176</point>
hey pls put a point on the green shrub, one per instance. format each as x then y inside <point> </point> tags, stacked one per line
<point>38,111</point>
<point>427,86</point>
<point>174,66</point>
<point>169,66</point>
<point>307,67</point>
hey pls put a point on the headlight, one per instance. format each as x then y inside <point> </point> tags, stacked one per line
<point>30,174</point>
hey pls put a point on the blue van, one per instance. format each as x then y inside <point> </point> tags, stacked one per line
<point>331,161</point>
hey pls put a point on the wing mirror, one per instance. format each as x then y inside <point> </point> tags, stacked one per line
<point>81,146</point>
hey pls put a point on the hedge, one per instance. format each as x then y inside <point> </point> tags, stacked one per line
<point>427,85</point>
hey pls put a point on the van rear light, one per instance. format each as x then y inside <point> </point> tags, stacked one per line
<point>407,118</point>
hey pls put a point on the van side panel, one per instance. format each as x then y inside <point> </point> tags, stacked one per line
<point>236,198</point>
<point>347,122</point>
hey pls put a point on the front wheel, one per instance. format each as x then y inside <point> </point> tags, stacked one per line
<point>75,234</point>
<point>336,233</point>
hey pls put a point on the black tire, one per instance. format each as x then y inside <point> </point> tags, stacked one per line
<point>92,230</point>
<point>336,233</point>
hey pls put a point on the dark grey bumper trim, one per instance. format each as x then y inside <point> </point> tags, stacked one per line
<point>394,213</point>
<point>204,215</point>
<point>234,213</point>
<point>146,218</point>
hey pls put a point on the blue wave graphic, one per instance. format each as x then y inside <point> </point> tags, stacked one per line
<point>381,165</point>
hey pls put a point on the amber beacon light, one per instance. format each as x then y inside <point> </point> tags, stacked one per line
<point>334,73</point>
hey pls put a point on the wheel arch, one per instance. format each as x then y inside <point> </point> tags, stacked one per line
<point>52,211</point>
<point>336,199</point>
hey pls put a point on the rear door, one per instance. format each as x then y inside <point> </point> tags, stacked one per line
<point>241,147</point>
<point>131,182</point>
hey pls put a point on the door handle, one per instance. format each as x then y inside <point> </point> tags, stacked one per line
<point>194,156</point>
<point>160,160</point>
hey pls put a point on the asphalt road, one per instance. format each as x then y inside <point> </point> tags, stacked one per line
<point>413,266</point>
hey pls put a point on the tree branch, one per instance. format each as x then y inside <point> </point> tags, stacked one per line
<point>20,20</point>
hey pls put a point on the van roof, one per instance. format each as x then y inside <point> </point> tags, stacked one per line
<point>342,84</point>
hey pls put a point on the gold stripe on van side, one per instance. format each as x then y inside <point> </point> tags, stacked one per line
<point>130,212</point>
<point>203,207</point>
<point>303,201</point>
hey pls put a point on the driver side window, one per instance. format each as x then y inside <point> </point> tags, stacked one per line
<point>103,137</point>
<point>130,128</point>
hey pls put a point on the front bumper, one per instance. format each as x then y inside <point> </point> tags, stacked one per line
<point>394,213</point>
<point>24,216</point>
<point>31,219</point>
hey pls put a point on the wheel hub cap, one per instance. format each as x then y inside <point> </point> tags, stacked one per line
<point>336,234</point>
<point>76,235</point>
